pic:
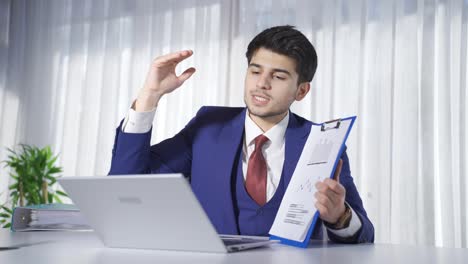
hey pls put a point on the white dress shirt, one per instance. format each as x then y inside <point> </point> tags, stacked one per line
<point>273,151</point>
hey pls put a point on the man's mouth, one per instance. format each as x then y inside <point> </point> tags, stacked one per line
<point>260,99</point>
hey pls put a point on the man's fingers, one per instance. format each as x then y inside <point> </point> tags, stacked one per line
<point>186,74</point>
<point>323,199</point>
<point>334,186</point>
<point>330,194</point>
<point>173,58</point>
<point>333,196</point>
<point>322,210</point>
<point>320,186</point>
<point>329,185</point>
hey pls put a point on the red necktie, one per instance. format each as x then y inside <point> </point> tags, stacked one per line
<point>257,172</point>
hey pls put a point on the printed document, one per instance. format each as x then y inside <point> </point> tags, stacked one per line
<point>316,163</point>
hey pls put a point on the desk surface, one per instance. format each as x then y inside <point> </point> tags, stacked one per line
<point>85,247</point>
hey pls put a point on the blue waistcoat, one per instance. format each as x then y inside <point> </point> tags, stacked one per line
<point>253,219</point>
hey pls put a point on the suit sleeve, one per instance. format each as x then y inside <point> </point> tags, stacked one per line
<point>133,154</point>
<point>366,233</point>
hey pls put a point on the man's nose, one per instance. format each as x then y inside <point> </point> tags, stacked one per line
<point>263,82</point>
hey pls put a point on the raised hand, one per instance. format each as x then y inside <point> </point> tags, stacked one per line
<point>162,79</point>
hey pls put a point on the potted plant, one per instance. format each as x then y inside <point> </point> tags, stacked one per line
<point>33,171</point>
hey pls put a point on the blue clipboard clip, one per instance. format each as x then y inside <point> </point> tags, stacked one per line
<point>332,124</point>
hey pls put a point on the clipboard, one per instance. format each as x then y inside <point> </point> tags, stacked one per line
<point>343,124</point>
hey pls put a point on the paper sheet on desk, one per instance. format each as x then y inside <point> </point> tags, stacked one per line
<point>316,163</point>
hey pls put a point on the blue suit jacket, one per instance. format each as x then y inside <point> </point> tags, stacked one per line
<point>205,151</point>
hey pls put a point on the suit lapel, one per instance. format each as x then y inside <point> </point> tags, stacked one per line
<point>295,139</point>
<point>229,141</point>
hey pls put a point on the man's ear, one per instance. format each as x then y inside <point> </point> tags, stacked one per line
<point>302,90</point>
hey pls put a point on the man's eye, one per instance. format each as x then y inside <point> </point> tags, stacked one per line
<point>255,72</point>
<point>279,77</point>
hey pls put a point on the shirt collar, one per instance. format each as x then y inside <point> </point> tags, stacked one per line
<point>274,134</point>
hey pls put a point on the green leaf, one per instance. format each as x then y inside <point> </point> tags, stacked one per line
<point>57,198</point>
<point>14,201</point>
<point>55,170</point>
<point>7,225</point>
<point>61,193</point>
<point>5,215</point>
<point>7,209</point>
<point>52,181</point>
<point>51,161</point>
<point>34,198</point>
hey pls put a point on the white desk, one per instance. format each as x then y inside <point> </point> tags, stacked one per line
<point>85,247</point>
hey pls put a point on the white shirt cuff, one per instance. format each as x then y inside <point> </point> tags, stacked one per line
<point>354,226</point>
<point>138,122</point>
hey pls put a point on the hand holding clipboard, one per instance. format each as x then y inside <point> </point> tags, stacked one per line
<point>319,166</point>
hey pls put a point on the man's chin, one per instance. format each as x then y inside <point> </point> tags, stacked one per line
<point>257,112</point>
<point>263,113</point>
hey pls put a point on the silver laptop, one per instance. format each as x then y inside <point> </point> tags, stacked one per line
<point>150,212</point>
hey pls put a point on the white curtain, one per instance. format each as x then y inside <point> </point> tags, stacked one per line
<point>69,71</point>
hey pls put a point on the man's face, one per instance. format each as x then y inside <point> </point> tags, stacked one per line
<point>271,86</point>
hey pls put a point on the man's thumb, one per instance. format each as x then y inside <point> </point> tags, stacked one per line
<point>338,170</point>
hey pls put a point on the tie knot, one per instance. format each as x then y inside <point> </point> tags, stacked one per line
<point>259,141</point>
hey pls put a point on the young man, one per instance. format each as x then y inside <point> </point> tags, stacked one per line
<point>240,160</point>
